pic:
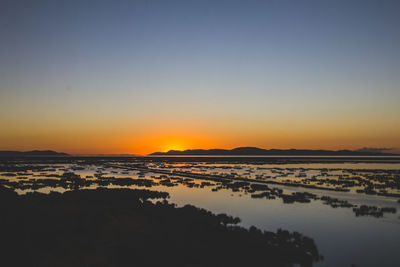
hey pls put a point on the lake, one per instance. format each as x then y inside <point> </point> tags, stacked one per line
<point>322,200</point>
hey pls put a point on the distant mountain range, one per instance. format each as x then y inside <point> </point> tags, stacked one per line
<point>255,151</point>
<point>33,153</point>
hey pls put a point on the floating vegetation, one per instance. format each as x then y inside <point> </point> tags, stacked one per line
<point>259,182</point>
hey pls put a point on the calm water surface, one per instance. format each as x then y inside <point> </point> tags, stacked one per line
<point>341,237</point>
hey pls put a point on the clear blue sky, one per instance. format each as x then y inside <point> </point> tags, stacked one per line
<point>302,74</point>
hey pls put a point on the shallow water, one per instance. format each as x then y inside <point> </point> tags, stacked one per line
<point>341,237</point>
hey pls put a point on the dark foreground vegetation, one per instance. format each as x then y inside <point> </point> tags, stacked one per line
<point>121,227</point>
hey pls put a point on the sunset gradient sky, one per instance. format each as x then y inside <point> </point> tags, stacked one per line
<point>142,76</point>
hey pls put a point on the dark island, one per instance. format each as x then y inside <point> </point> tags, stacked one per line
<point>255,151</point>
<point>33,153</point>
<point>121,227</point>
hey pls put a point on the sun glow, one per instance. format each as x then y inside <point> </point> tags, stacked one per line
<point>169,147</point>
<point>164,141</point>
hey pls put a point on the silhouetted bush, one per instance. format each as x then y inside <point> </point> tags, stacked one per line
<point>121,227</point>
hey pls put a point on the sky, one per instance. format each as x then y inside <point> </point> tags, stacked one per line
<point>89,77</point>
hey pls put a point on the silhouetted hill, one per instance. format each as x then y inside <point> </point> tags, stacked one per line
<point>255,151</point>
<point>33,153</point>
<point>122,227</point>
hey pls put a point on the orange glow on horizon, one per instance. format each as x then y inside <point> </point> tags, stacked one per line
<point>173,147</point>
<point>165,135</point>
<point>167,142</point>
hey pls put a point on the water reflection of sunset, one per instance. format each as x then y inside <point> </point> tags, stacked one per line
<point>284,114</point>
